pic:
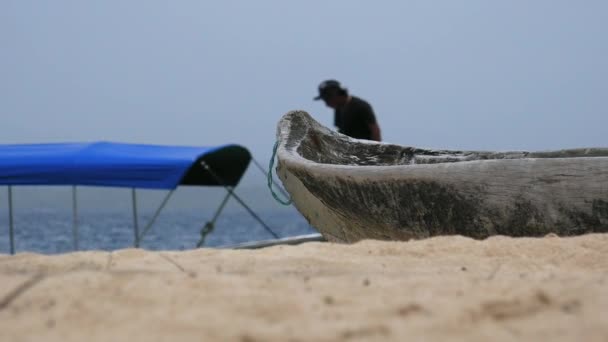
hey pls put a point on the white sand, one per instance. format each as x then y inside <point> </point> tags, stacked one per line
<point>548,289</point>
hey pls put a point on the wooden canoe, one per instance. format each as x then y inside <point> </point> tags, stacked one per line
<point>351,189</point>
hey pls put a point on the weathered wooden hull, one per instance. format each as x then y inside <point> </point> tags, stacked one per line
<point>352,189</point>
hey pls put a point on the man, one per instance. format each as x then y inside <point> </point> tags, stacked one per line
<point>352,116</point>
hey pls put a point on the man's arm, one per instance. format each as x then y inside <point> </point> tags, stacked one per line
<point>375,130</point>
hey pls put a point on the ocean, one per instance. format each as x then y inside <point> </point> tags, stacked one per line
<point>50,231</point>
<point>43,220</point>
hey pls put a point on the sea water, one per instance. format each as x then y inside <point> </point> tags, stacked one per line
<point>50,231</point>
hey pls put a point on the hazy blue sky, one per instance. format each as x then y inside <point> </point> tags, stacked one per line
<point>472,74</point>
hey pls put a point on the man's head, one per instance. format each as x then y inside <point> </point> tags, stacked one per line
<point>332,93</point>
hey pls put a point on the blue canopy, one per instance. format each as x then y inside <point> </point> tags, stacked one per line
<point>121,165</point>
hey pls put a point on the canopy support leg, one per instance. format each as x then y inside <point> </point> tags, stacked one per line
<point>155,216</point>
<point>135,218</point>
<point>11,227</point>
<point>209,226</point>
<point>238,199</point>
<point>75,217</point>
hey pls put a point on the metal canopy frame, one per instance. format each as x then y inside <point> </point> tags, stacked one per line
<point>137,235</point>
<point>75,222</point>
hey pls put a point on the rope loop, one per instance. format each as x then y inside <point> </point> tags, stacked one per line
<point>288,201</point>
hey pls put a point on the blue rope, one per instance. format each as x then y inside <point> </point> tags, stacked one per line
<point>276,197</point>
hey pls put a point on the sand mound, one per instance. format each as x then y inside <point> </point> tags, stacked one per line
<point>447,287</point>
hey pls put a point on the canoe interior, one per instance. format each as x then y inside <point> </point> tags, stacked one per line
<point>320,145</point>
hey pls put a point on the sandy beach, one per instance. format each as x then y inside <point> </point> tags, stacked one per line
<point>526,289</point>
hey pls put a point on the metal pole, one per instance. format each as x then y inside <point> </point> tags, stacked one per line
<point>209,226</point>
<point>155,216</point>
<point>11,228</point>
<point>221,207</point>
<point>135,220</point>
<point>241,202</point>
<point>75,217</point>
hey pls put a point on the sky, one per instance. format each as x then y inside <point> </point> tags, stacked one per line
<point>473,74</point>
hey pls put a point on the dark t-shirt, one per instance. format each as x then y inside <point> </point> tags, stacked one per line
<point>354,119</point>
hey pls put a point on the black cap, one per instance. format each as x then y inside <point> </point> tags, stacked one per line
<point>326,87</point>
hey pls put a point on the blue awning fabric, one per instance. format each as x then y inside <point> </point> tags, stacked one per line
<point>121,165</point>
